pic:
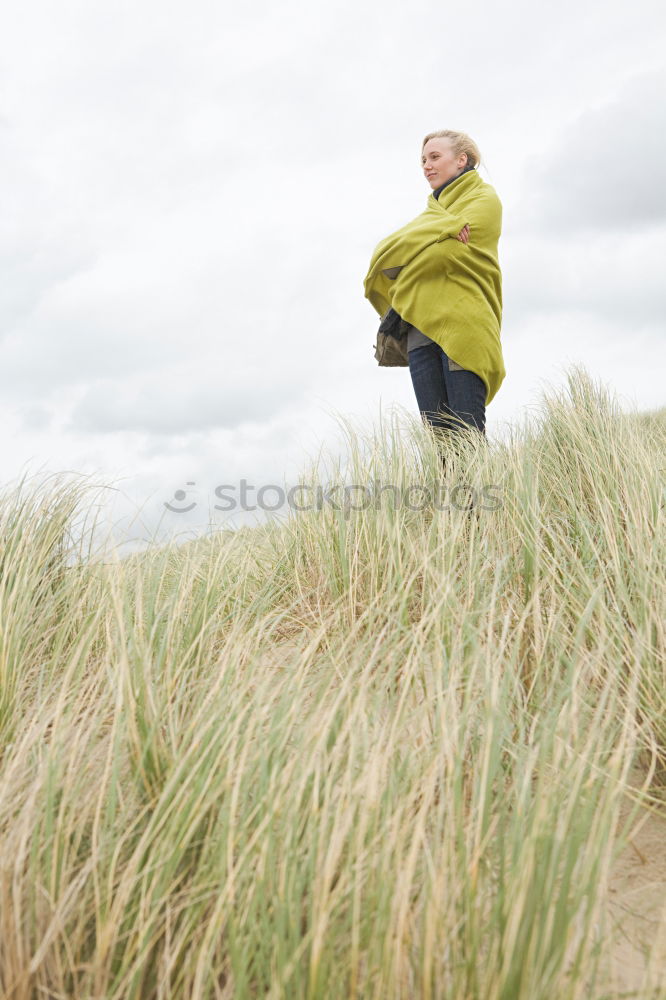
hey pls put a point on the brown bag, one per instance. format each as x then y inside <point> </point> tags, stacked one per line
<point>391,351</point>
<point>391,346</point>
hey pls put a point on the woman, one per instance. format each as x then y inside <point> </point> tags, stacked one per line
<point>437,284</point>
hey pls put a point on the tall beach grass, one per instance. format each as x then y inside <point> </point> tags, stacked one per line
<point>380,751</point>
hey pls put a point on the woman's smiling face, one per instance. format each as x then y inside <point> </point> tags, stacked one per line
<point>439,162</point>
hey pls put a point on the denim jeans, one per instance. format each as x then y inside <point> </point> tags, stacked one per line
<point>443,389</point>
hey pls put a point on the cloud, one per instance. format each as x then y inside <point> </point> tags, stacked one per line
<point>191,200</point>
<point>603,172</point>
<point>194,396</point>
<point>617,279</point>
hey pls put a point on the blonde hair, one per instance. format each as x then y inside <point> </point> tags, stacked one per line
<point>460,143</point>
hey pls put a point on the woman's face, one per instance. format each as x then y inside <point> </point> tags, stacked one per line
<point>439,163</point>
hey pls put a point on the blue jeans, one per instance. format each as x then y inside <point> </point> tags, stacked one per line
<point>441,392</point>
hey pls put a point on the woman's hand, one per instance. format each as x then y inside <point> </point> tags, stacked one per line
<point>463,235</point>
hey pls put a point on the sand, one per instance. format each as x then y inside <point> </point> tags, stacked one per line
<point>636,906</point>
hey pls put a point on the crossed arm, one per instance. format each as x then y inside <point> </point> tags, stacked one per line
<point>484,213</point>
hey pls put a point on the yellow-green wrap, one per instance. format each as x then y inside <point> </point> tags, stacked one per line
<point>450,290</point>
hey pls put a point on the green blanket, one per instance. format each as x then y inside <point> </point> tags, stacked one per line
<point>450,290</point>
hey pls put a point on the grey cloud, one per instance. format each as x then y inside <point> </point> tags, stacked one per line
<point>617,280</point>
<point>41,243</point>
<point>604,172</point>
<point>35,416</point>
<point>191,200</point>
<point>186,401</point>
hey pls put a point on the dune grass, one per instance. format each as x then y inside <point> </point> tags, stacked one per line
<point>353,753</point>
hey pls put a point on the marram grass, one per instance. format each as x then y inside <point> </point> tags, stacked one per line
<point>356,753</point>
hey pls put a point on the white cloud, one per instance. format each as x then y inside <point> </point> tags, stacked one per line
<point>190,200</point>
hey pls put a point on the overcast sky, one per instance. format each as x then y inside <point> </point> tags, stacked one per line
<point>191,194</point>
